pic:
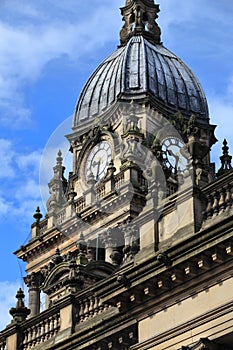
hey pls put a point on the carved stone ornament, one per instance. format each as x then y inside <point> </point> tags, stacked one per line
<point>140,19</point>
<point>57,186</point>
<point>20,312</point>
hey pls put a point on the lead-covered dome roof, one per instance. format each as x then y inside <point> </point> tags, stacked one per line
<point>142,67</point>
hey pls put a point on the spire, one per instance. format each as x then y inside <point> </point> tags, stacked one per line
<point>140,19</point>
<point>225,159</point>
<point>57,186</point>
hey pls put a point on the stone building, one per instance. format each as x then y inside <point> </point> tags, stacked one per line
<point>135,251</point>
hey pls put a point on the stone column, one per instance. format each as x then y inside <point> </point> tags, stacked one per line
<point>33,283</point>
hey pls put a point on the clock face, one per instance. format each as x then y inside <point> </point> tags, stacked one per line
<point>98,161</point>
<point>173,158</point>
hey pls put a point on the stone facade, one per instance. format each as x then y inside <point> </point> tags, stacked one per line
<point>136,250</point>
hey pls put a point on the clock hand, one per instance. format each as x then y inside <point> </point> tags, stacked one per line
<point>98,169</point>
<point>176,156</point>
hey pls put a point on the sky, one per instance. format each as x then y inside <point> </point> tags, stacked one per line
<point>48,49</point>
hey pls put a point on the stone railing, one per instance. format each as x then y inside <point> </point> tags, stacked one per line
<point>100,191</point>
<point>219,196</point>
<point>61,216</point>
<point>80,204</point>
<point>119,179</point>
<point>2,344</point>
<point>219,201</point>
<point>40,332</point>
<point>89,308</point>
<point>43,226</point>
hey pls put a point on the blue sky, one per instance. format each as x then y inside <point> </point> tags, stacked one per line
<point>47,51</point>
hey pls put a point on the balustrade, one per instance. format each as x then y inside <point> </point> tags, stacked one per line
<point>89,308</point>
<point>119,180</point>
<point>100,191</point>
<point>41,332</point>
<point>80,204</point>
<point>219,201</point>
<point>43,227</point>
<point>61,217</point>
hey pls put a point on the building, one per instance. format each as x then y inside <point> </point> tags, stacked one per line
<point>135,251</point>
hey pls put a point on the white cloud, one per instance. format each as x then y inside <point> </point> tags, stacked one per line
<point>6,155</point>
<point>29,162</point>
<point>20,192</point>
<point>27,49</point>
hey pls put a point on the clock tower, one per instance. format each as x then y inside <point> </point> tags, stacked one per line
<point>141,230</point>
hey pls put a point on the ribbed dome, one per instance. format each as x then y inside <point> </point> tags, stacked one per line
<point>140,69</point>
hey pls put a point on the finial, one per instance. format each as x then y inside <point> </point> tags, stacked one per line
<point>111,169</point>
<point>91,179</point>
<point>140,19</point>
<point>37,216</point>
<point>59,157</point>
<point>57,258</point>
<point>20,312</point>
<point>225,159</point>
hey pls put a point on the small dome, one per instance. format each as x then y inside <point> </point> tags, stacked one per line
<point>137,70</point>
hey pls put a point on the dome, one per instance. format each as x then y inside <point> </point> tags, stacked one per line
<point>141,69</point>
<point>137,69</point>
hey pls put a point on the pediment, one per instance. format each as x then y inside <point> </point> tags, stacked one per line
<point>69,275</point>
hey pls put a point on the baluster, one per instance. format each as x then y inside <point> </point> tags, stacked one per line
<point>86,310</point>
<point>42,331</point>
<point>57,323</point>
<point>91,308</point>
<point>216,203</point>
<point>222,204</point>
<point>47,329</point>
<point>25,340</point>
<point>96,306</point>
<point>39,333</point>
<point>209,209</point>
<point>101,306</point>
<point>52,326</point>
<point>228,200</point>
<point>81,311</point>
<point>34,333</point>
<point>30,334</point>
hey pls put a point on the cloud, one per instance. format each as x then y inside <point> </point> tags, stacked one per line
<point>29,162</point>
<point>28,46</point>
<point>7,154</point>
<point>7,301</point>
<point>19,192</point>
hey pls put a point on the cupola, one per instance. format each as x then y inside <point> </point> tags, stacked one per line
<point>141,69</point>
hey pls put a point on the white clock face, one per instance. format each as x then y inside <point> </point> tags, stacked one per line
<point>172,155</point>
<point>98,161</point>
